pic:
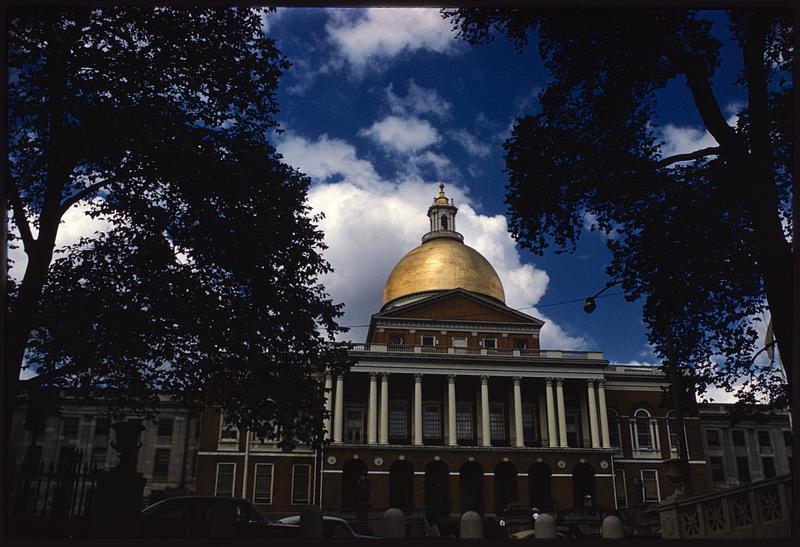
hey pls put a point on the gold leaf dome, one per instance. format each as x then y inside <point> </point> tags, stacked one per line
<point>442,263</point>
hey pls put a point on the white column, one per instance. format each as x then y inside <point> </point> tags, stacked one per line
<point>328,404</point>
<point>418,409</point>
<point>562,415</point>
<point>551,415</point>
<point>518,412</point>
<point>486,439</point>
<point>601,396</point>
<point>592,414</point>
<point>384,429</point>
<point>372,410</point>
<point>451,410</point>
<point>338,409</point>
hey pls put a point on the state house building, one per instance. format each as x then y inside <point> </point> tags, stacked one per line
<point>453,406</point>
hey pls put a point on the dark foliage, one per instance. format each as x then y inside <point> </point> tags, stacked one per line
<point>702,237</point>
<point>206,284</point>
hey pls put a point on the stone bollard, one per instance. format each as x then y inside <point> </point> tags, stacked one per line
<point>222,521</point>
<point>471,526</point>
<point>394,523</point>
<point>612,528</point>
<point>310,523</point>
<point>545,527</point>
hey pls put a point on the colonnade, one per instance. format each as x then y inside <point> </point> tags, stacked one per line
<point>378,419</point>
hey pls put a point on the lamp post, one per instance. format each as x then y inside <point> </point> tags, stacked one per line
<point>677,468</point>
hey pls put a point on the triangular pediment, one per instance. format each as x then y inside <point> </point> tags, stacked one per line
<point>459,305</point>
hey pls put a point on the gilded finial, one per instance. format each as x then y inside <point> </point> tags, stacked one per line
<point>441,199</point>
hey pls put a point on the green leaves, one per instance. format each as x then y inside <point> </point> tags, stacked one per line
<point>206,287</point>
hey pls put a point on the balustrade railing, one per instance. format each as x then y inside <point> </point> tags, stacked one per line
<point>758,510</point>
<point>477,351</point>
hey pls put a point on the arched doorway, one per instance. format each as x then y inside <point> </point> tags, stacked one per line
<point>470,487</point>
<point>582,483</point>
<point>355,484</point>
<point>539,486</point>
<point>401,485</point>
<point>437,496</point>
<point>505,485</point>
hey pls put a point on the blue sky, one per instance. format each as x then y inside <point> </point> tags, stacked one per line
<point>383,104</point>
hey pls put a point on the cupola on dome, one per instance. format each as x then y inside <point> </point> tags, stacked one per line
<point>442,262</point>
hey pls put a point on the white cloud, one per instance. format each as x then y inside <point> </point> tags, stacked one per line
<point>365,38</point>
<point>75,224</point>
<point>684,139</point>
<point>419,100</point>
<point>470,143</point>
<point>402,134</point>
<point>268,18</point>
<point>371,222</point>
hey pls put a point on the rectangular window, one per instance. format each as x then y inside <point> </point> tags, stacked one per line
<point>431,421</point>
<point>613,430</point>
<point>102,427</point>
<point>644,438</point>
<point>464,427</point>
<point>354,425</point>
<point>99,455</point>
<point>529,422</point>
<point>650,485</point>
<point>769,467</point>
<point>398,420</point>
<point>227,430</point>
<point>619,487</point>
<point>672,429</point>
<point>161,464</point>
<point>428,341</point>
<point>490,343</point>
<point>262,487</point>
<point>573,431</point>
<point>743,468</point>
<point>165,427</point>
<point>764,442</point>
<point>712,438</point>
<point>70,428</point>
<point>459,341</point>
<point>737,436</point>
<point>301,474</point>
<point>497,422</point>
<point>717,471</point>
<point>226,473</point>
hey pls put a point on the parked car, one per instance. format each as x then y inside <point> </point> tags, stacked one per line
<point>332,527</point>
<point>190,517</point>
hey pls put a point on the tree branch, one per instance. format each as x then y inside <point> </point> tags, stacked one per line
<point>710,151</point>
<point>38,380</point>
<point>75,198</point>
<point>709,110</point>
<point>19,216</point>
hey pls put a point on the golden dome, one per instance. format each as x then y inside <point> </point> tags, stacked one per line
<point>441,199</point>
<point>441,264</point>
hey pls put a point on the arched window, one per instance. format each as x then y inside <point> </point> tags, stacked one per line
<point>644,431</point>
<point>401,485</point>
<point>355,484</point>
<point>539,486</point>
<point>470,487</point>
<point>614,436</point>
<point>505,485</point>
<point>444,222</point>
<point>583,485</point>
<point>437,497</point>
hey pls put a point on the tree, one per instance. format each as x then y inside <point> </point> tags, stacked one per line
<point>206,284</point>
<point>705,235</point>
